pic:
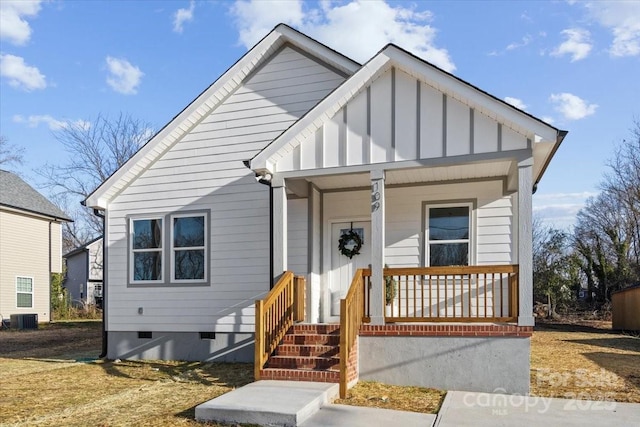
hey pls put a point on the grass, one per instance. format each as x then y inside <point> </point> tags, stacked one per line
<point>585,361</point>
<point>51,377</point>
<point>378,395</point>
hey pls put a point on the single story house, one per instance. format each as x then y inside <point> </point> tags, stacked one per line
<point>392,183</point>
<point>30,249</point>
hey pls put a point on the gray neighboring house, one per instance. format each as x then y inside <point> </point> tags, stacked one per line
<point>83,278</point>
<point>30,248</point>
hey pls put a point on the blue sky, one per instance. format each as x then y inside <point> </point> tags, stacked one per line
<point>575,64</point>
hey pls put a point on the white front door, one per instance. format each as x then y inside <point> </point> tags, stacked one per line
<point>342,267</point>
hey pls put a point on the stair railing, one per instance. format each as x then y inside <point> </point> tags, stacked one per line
<point>351,316</point>
<point>275,314</point>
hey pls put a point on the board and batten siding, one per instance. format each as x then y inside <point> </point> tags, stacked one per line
<point>24,252</point>
<point>205,171</point>
<point>397,118</point>
<point>492,237</point>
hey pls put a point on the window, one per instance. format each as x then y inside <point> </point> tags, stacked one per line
<point>146,250</point>
<point>24,289</point>
<point>448,231</point>
<point>188,248</point>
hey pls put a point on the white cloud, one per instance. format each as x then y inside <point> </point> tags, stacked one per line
<point>346,26</point>
<point>515,102</point>
<point>53,124</point>
<point>572,107</point>
<point>577,44</point>
<point>547,119</point>
<point>183,15</point>
<point>522,43</point>
<point>123,77</point>
<point>623,19</point>
<point>560,209</point>
<point>13,24</point>
<point>21,75</point>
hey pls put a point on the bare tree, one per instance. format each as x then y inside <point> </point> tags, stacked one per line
<point>607,232</point>
<point>95,151</point>
<point>10,154</point>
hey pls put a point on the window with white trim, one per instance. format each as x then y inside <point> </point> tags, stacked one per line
<point>146,236</point>
<point>24,292</point>
<point>448,234</point>
<point>188,248</point>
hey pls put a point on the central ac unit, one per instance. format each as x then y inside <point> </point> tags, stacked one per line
<point>24,321</point>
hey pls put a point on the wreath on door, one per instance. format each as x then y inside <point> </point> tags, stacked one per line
<point>350,243</point>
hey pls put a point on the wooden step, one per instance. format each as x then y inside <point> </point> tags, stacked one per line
<point>315,329</point>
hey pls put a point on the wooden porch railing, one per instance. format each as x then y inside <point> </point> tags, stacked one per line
<point>275,314</point>
<point>487,293</point>
<point>351,317</point>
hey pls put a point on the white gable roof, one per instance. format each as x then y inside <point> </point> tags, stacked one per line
<point>544,138</point>
<point>208,100</point>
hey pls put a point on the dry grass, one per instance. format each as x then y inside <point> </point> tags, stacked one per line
<point>51,377</point>
<point>377,395</point>
<point>52,382</point>
<point>585,361</point>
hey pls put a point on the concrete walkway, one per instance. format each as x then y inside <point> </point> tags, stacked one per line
<point>304,404</point>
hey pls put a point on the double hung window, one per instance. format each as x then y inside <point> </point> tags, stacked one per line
<point>448,235</point>
<point>24,292</point>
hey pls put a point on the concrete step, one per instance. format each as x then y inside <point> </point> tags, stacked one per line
<point>307,350</point>
<point>282,403</point>
<point>324,376</point>
<point>303,362</point>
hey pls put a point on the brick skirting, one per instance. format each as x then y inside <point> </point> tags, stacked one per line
<point>446,330</point>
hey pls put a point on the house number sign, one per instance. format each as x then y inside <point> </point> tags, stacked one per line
<point>375,197</point>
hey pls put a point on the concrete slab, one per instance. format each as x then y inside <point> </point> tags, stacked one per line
<point>354,416</point>
<point>267,403</point>
<point>485,409</point>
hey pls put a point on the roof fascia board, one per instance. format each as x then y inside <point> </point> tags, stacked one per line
<point>207,101</point>
<point>39,215</point>
<point>467,159</point>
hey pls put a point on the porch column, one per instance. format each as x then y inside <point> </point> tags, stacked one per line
<point>279,218</point>
<point>525,238</point>
<point>377,246</point>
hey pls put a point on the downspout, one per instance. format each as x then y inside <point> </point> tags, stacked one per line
<point>50,272</point>
<point>265,179</point>
<point>105,337</point>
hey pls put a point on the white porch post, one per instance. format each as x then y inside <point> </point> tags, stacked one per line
<point>525,237</point>
<point>377,246</point>
<point>279,194</point>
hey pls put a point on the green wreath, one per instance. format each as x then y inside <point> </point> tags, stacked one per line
<point>350,244</point>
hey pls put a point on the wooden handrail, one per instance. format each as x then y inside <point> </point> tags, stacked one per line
<point>351,317</point>
<point>474,293</point>
<point>275,314</point>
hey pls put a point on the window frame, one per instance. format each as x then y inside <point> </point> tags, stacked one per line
<point>470,241</point>
<point>173,249</point>
<point>32,293</point>
<point>132,251</point>
<point>167,250</point>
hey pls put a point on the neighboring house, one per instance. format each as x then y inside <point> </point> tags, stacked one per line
<point>424,168</point>
<point>30,248</point>
<point>83,276</point>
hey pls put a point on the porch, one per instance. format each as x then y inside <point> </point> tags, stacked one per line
<point>472,301</point>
